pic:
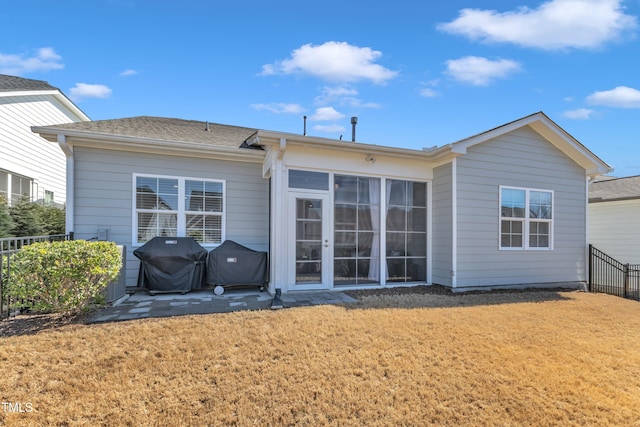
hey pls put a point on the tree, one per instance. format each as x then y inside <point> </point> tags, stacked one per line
<point>6,223</point>
<point>25,218</point>
<point>51,220</point>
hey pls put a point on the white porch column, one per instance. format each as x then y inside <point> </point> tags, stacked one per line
<point>70,200</point>
<point>278,226</point>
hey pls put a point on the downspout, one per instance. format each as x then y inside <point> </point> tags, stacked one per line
<point>277,238</point>
<point>587,272</point>
<point>280,237</point>
<point>430,231</point>
<point>70,205</point>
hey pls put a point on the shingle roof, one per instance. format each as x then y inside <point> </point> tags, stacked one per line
<point>615,189</point>
<point>13,84</point>
<point>165,129</point>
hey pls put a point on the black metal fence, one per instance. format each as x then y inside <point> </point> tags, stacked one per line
<point>613,277</point>
<point>8,247</point>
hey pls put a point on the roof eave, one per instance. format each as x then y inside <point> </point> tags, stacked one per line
<point>148,145</point>
<point>273,139</point>
<point>613,199</point>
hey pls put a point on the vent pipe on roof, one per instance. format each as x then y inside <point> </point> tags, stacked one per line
<point>206,127</point>
<point>305,125</point>
<point>354,122</point>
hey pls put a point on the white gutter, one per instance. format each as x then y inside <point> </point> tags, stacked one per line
<point>70,206</point>
<point>587,271</point>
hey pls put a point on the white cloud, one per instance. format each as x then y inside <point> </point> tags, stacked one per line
<point>555,24</point>
<point>279,108</point>
<point>326,114</point>
<point>48,54</point>
<point>480,71</point>
<point>357,103</point>
<point>329,128</point>
<point>128,72</point>
<point>428,92</point>
<point>45,59</point>
<point>579,114</point>
<point>332,94</point>
<point>342,95</point>
<point>333,61</point>
<point>84,90</point>
<point>620,97</point>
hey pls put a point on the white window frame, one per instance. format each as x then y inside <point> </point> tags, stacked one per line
<point>8,192</point>
<point>48,197</point>
<point>526,221</point>
<point>182,211</point>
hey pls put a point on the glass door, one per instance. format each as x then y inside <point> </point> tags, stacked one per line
<point>309,250</point>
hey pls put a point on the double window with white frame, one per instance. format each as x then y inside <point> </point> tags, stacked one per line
<point>526,218</point>
<point>178,206</point>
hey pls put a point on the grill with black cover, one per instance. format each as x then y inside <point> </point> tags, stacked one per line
<point>171,264</point>
<point>232,264</point>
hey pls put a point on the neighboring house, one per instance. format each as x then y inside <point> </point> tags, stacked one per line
<point>614,218</point>
<point>29,166</point>
<point>506,207</point>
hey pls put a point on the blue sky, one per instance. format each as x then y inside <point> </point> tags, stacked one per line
<point>415,73</point>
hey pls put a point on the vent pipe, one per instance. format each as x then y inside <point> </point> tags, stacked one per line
<point>305,125</point>
<point>354,122</point>
<point>206,127</point>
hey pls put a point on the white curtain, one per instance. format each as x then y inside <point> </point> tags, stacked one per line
<point>374,197</point>
<point>409,206</point>
<point>374,210</point>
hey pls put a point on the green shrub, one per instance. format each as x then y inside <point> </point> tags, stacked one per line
<point>63,277</point>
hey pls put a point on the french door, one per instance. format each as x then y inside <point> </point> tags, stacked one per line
<point>309,241</point>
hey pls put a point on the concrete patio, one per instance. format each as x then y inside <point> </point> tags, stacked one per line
<point>142,305</point>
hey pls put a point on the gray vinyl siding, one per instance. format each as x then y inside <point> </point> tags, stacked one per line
<point>442,226</point>
<point>520,159</point>
<point>103,195</point>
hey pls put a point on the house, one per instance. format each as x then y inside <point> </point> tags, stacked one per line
<point>504,208</point>
<point>28,167</point>
<point>614,218</point>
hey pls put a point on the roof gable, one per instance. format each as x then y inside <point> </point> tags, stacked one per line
<point>16,88</point>
<point>551,132</point>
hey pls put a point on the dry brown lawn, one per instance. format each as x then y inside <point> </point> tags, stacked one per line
<point>541,358</point>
